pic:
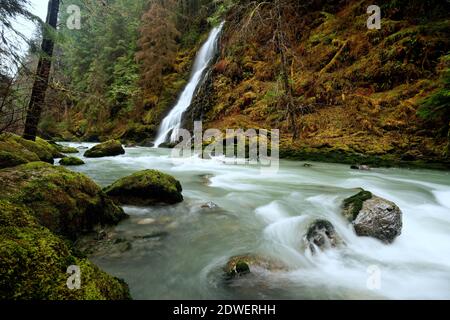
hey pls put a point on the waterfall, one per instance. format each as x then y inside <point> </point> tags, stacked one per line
<point>172,121</point>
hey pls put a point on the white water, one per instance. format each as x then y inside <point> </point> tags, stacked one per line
<point>172,121</point>
<point>268,215</point>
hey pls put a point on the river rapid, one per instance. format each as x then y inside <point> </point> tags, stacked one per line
<point>268,215</point>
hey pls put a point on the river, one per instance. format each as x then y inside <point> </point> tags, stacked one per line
<point>268,215</point>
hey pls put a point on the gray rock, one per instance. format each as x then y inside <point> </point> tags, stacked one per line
<point>379,218</point>
<point>321,234</point>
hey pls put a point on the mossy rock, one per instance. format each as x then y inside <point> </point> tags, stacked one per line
<point>8,159</point>
<point>64,149</point>
<point>106,149</point>
<point>66,202</point>
<point>373,216</point>
<point>353,205</point>
<point>244,264</point>
<point>146,187</point>
<point>26,149</point>
<point>49,147</point>
<point>34,261</point>
<point>71,161</point>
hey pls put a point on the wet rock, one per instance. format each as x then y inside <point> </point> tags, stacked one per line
<point>373,216</point>
<point>307,165</point>
<point>244,264</point>
<point>360,167</point>
<point>71,161</point>
<point>146,221</point>
<point>209,205</point>
<point>321,234</point>
<point>106,149</point>
<point>146,187</point>
<point>206,179</point>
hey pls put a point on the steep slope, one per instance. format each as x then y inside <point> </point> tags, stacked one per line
<point>356,92</point>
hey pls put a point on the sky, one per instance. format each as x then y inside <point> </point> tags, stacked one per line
<point>27,27</point>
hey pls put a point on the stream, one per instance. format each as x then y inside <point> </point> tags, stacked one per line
<point>268,215</point>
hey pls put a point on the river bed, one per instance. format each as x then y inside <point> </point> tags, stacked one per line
<point>268,214</point>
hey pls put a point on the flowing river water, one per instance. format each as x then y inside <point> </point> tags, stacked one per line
<point>268,215</point>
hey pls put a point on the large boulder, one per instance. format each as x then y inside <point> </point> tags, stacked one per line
<point>373,216</point>
<point>321,235</point>
<point>146,187</point>
<point>34,261</point>
<point>65,202</point>
<point>8,159</point>
<point>106,149</point>
<point>25,149</point>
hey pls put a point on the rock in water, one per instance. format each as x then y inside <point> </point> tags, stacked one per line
<point>66,202</point>
<point>106,149</point>
<point>321,234</point>
<point>244,264</point>
<point>71,161</point>
<point>373,216</point>
<point>27,150</point>
<point>146,188</point>
<point>360,167</point>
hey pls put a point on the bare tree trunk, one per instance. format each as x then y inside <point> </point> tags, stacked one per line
<point>288,100</point>
<point>42,74</point>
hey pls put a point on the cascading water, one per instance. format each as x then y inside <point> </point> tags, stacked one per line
<point>172,121</point>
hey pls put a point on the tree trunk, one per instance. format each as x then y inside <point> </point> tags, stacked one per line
<point>42,73</point>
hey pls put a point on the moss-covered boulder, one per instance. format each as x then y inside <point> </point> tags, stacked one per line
<point>49,147</point>
<point>66,202</point>
<point>106,149</point>
<point>8,159</point>
<point>146,187</point>
<point>71,161</point>
<point>34,262</point>
<point>64,149</point>
<point>26,149</point>
<point>373,216</point>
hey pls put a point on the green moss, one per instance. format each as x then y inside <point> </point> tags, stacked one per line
<point>242,267</point>
<point>146,187</point>
<point>105,149</point>
<point>34,261</point>
<point>64,149</point>
<point>40,147</point>
<point>66,202</point>
<point>354,204</point>
<point>71,161</point>
<point>8,159</point>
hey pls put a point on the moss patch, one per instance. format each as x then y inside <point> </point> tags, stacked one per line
<point>353,205</point>
<point>71,161</point>
<point>66,202</point>
<point>34,261</point>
